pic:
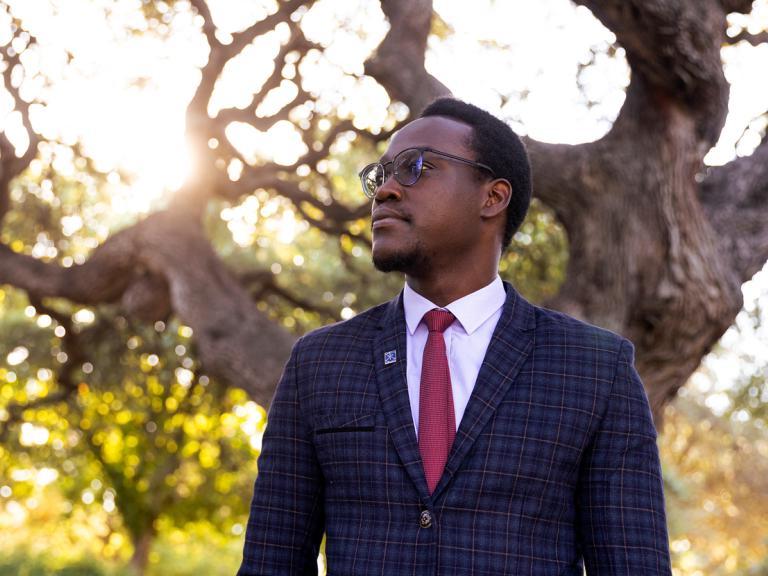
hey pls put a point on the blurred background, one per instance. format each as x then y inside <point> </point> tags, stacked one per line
<point>179,201</point>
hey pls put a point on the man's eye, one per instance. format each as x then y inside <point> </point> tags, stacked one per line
<point>417,169</point>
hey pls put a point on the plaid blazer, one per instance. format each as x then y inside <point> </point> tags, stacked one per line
<point>554,466</point>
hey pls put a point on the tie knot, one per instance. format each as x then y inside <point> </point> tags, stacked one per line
<point>438,320</point>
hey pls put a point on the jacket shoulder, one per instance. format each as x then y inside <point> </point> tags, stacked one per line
<point>359,329</point>
<point>552,325</point>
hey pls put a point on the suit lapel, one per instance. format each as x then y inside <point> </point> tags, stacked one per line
<point>393,391</point>
<point>510,345</point>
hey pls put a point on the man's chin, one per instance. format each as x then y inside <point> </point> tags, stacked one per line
<point>405,262</point>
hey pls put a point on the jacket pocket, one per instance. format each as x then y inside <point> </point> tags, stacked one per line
<point>337,423</point>
<point>349,448</point>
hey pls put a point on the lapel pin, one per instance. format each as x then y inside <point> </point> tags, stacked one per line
<point>390,357</point>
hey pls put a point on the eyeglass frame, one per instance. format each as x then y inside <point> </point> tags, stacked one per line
<point>421,149</point>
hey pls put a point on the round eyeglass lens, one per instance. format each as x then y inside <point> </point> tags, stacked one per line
<point>408,166</point>
<point>372,179</point>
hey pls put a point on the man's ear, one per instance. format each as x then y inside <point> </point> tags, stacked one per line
<point>497,195</point>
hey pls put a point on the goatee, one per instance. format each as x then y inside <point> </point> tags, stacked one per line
<point>410,262</point>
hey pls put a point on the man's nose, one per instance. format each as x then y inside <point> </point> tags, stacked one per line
<point>390,189</point>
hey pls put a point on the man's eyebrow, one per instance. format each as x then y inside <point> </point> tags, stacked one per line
<point>386,158</point>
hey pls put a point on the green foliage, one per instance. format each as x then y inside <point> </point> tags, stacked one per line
<point>146,437</point>
<point>715,453</point>
<point>198,549</point>
<point>194,549</point>
<point>716,479</point>
<point>23,564</point>
<point>538,256</point>
<point>60,206</point>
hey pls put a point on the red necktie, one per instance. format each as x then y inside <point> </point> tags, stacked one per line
<point>437,423</point>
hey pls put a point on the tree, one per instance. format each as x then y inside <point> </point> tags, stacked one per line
<point>658,243</point>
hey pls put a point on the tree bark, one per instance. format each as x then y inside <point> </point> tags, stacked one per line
<point>406,42</point>
<point>142,546</point>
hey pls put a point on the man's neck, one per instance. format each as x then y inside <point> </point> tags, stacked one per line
<point>447,288</point>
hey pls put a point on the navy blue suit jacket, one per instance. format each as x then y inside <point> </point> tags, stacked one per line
<point>554,466</point>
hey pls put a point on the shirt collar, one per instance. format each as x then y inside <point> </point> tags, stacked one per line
<point>471,310</point>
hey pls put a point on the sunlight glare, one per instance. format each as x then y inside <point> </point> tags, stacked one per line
<point>122,97</point>
<point>32,435</point>
<point>45,476</point>
<point>746,104</point>
<point>489,59</point>
<point>281,144</point>
<point>286,227</point>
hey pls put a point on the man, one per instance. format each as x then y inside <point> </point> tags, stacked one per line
<point>457,429</point>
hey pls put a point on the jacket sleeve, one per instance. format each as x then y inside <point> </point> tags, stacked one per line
<point>286,520</point>
<point>620,501</point>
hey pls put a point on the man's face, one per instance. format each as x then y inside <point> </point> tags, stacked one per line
<point>420,227</point>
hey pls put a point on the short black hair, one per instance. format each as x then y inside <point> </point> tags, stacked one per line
<point>496,145</point>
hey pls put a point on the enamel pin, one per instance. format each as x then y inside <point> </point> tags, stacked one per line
<point>390,357</point>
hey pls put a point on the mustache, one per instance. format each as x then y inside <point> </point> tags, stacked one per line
<point>382,213</point>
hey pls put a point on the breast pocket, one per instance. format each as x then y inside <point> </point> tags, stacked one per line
<point>340,423</point>
<point>350,447</point>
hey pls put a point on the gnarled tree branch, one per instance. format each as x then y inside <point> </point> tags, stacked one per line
<point>735,199</point>
<point>406,41</point>
<point>193,277</point>
<point>11,165</point>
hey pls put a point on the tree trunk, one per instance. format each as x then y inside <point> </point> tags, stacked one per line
<point>142,546</point>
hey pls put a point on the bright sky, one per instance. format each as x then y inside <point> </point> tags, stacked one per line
<point>123,95</point>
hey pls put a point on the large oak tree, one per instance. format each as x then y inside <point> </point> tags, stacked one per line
<point>659,243</point>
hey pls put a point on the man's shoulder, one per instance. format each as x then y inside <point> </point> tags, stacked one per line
<point>554,327</point>
<point>358,329</point>
<point>587,355</point>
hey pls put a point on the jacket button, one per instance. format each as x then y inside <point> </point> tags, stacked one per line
<point>425,520</point>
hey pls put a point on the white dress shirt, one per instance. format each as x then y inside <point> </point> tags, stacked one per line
<point>466,340</point>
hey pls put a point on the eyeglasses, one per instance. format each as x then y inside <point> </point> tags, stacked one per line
<point>407,168</point>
